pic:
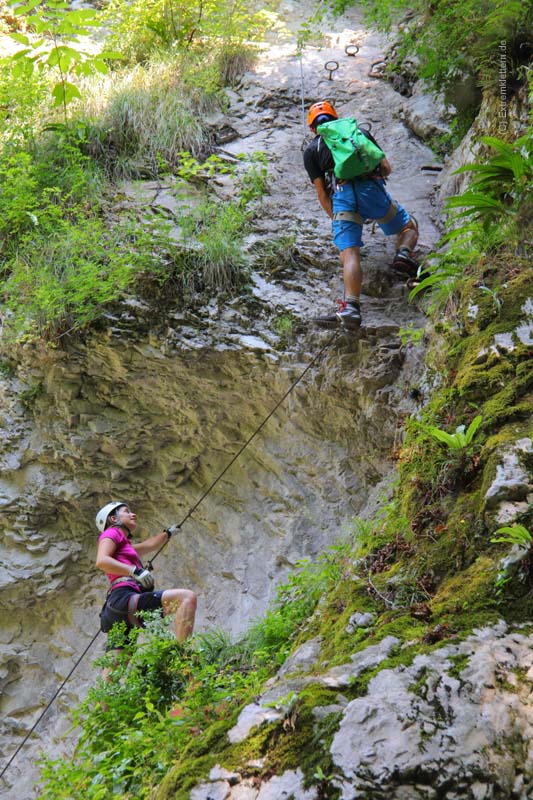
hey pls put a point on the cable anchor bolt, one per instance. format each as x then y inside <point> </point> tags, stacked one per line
<point>331,67</point>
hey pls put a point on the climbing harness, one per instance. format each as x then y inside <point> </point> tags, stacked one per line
<point>353,216</point>
<point>174,528</point>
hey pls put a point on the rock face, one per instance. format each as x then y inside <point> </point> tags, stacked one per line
<point>431,730</point>
<point>288,786</point>
<point>513,478</point>
<point>454,724</point>
<point>152,411</point>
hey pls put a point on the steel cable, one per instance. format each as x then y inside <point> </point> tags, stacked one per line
<point>179,525</point>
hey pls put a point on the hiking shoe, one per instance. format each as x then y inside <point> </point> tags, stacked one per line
<point>348,317</point>
<point>405,264</point>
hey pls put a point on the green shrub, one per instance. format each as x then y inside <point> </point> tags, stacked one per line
<point>42,185</point>
<point>490,215</point>
<point>61,282</point>
<point>23,106</point>
<point>215,29</point>
<point>142,118</point>
<point>18,196</point>
<point>55,48</point>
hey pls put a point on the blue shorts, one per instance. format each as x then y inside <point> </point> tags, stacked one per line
<point>370,199</point>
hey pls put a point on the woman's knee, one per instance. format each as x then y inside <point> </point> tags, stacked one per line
<point>190,599</point>
<point>172,599</point>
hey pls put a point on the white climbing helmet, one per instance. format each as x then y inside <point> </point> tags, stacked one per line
<point>105,511</point>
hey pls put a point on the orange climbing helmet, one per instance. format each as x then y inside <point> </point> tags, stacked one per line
<point>317,109</point>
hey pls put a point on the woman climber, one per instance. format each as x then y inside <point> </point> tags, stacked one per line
<point>131,585</point>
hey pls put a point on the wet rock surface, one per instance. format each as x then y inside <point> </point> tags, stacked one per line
<point>154,414</point>
<point>432,730</point>
<point>456,723</point>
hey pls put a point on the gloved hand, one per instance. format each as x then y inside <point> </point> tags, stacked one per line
<point>172,530</point>
<point>142,576</point>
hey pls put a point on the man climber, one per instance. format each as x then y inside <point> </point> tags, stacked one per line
<point>366,198</point>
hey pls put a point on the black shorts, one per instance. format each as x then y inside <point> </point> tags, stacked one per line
<point>123,605</point>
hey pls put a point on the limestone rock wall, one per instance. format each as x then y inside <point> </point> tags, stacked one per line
<point>455,724</point>
<point>137,420</point>
<point>153,409</point>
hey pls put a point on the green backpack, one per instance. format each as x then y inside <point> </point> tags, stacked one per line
<point>354,153</point>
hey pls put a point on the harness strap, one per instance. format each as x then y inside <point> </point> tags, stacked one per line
<point>349,216</point>
<point>122,579</point>
<point>389,216</point>
<point>132,611</point>
<point>353,216</point>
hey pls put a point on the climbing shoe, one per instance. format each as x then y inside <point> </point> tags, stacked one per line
<point>348,316</point>
<point>404,263</point>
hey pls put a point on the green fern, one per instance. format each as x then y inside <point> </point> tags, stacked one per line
<point>488,211</point>
<point>513,534</point>
<point>499,184</point>
<point>458,440</point>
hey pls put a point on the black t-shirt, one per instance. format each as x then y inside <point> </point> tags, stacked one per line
<point>318,160</point>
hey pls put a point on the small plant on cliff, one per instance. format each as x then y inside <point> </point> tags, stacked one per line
<point>458,440</point>
<point>513,534</point>
<point>491,213</point>
<point>499,185</point>
<point>519,563</point>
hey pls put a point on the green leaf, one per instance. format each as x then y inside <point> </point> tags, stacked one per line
<point>472,428</point>
<point>427,283</point>
<point>20,54</point>
<point>100,66</point>
<point>474,200</point>
<point>53,58</point>
<point>498,145</point>
<point>65,60</point>
<point>21,66</point>
<point>19,37</point>
<point>82,15</point>
<point>23,9</point>
<point>84,69</point>
<point>63,93</point>
<point>111,54</point>
<point>443,436</point>
<point>513,534</point>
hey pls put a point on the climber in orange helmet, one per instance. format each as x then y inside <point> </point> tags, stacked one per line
<point>364,198</point>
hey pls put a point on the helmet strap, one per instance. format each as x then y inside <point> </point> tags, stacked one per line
<point>120,525</point>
